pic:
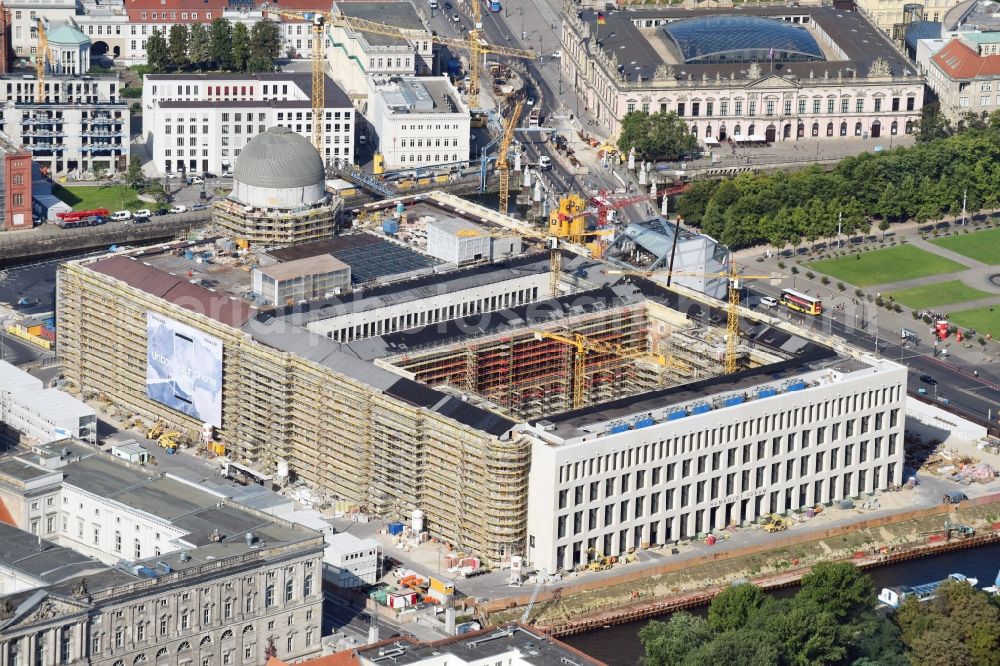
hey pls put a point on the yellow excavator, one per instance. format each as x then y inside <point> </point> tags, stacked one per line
<point>601,563</point>
<point>168,441</point>
<point>774,523</point>
<point>156,430</point>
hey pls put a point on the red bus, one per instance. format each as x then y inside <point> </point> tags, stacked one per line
<point>796,300</point>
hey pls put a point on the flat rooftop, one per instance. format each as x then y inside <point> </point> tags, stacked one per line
<point>397,14</point>
<point>640,54</point>
<point>323,263</point>
<point>370,257</point>
<point>333,95</point>
<point>39,558</point>
<point>415,95</point>
<point>481,647</point>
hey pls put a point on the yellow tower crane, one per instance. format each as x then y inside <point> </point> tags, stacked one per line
<point>508,136</point>
<point>734,280</point>
<point>475,45</point>
<point>43,54</point>
<point>582,344</point>
<point>567,225</point>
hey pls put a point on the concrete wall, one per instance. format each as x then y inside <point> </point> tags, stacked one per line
<point>935,423</point>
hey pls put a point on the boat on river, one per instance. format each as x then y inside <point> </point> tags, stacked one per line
<point>893,597</point>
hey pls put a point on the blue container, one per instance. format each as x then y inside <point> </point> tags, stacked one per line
<point>679,414</point>
<point>766,393</point>
<point>395,529</point>
<point>390,227</point>
<point>644,423</point>
<point>188,254</point>
<point>701,409</point>
<point>732,401</point>
<point>621,427</point>
<point>796,386</point>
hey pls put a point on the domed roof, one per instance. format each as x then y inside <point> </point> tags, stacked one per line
<point>716,39</point>
<point>279,158</point>
<point>67,34</point>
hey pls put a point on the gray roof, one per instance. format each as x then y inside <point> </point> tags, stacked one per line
<point>397,14</point>
<point>26,553</point>
<point>279,158</point>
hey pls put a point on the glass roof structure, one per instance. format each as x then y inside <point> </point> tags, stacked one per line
<point>724,39</point>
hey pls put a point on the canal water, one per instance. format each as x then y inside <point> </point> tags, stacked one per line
<point>619,645</point>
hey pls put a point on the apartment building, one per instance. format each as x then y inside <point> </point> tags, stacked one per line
<point>670,466</point>
<point>80,124</point>
<point>965,75</point>
<point>203,121</point>
<point>419,122</point>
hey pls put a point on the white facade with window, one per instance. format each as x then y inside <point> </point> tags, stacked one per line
<point>656,477</point>
<point>419,122</point>
<point>39,415</point>
<point>197,123</point>
<point>81,124</point>
<point>23,21</point>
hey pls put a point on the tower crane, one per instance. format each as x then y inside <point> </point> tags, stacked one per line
<point>43,54</point>
<point>566,226</point>
<point>582,344</point>
<point>478,47</point>
<point>734,280</point>
<point>508,136</point>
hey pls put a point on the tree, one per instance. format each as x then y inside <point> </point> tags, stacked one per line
<point>841,589</point>
<point>199,46</point>
<point>265,46</point>
<point>220,34</point>
<point>157,55</point>
<point>735,607</point>
<point>668,643</point>
<point>744,647</point>
<point>932,124</point>
<point>883,226</point>
<point>662,135</point>
<point>805,633</point>
<point>178,45</point>
<point>100,173</point>
<point>241,47</point>
<point>134,176</point>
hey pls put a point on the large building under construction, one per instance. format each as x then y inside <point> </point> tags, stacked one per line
<point>456,388</point>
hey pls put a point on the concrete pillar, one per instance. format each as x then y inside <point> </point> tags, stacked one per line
<point>449,620</point>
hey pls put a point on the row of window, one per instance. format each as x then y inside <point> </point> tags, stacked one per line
<point>687,525</point>
<point>770,106</point>
<point>984,100</point>
<point>762,425</point>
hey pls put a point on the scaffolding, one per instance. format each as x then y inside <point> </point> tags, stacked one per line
<point>528,378</point>
<point>276,227</point>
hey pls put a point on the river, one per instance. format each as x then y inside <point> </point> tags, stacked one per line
<point>620,646</point>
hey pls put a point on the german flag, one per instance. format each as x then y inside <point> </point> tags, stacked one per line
<point>600,18</point>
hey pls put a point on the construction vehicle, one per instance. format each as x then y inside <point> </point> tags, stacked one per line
<point>156,430</point>
<point>774,523</point>
<point>583,345</point>
<point>601,563</point>
<point>960,530</point>
<point>168,441</point>
<point>502,166</point>
<point>733,306</point>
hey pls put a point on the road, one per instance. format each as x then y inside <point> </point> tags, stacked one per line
<point>966,394</point>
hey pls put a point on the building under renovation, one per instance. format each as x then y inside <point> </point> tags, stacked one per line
<point>279,195</point>
<point>454,389</point>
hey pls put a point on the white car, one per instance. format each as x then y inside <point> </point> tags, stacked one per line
<point>170,174</point>
<point>141,214</point>
<point>544,163</point>
<point>530,101</point>
<point>121,216</point>
<point>768,301</point>
<point>197,180</point>
<point>556,54</point>
<point>227,174</point>
<point>456,18</point>
<point>432,4</point>
<point>178,209</point>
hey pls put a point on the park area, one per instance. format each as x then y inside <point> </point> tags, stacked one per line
<point>893,264</point>
<point>940,293</point>
<point>982,320</point>
<point>89,197</point>
<point>982,246</point>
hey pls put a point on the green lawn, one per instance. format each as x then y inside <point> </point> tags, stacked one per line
<point>980,319</point>
<point>942,293</point>
<point>982,246</point>
<point>90,197</point>
<point>883,266</point>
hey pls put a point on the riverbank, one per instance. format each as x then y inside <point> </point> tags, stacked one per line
<point>684,584</point>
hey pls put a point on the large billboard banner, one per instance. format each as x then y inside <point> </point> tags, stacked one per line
<point>184,369</point>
